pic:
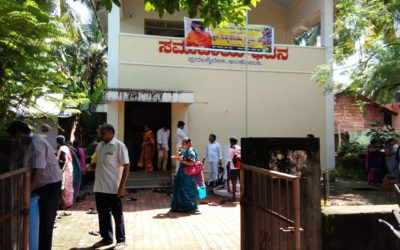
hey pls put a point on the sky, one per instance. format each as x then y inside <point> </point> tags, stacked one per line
<point>80,9</point>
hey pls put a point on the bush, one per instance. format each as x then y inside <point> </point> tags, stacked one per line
<point>351,168</point>
<point>382,134</point>
<point>350,161</point>
<point>351,150</point>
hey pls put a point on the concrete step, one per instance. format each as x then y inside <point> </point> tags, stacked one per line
<point>142,180</point>
<point>224,192</point>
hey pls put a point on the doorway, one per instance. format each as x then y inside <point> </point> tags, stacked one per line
<point>137,114</point>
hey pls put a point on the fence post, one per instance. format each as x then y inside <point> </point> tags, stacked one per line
<point>296,205</point>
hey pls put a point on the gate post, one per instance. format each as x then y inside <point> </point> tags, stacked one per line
<point>296,201</point>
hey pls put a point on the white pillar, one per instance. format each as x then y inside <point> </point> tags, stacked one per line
<point>113,63</point>
<point>113,47</point>
<point>112,116</point>
<point>327,42</point>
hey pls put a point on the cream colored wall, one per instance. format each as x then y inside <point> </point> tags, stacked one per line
<point>396,122</point>
<point>179,112</point>
<point>121,121</point>
<point>269,13</point>
<point>282,100</point>
<point>266,12</point>
<point>286,105</point>
<point>303,12</point>
<point>135,24</point>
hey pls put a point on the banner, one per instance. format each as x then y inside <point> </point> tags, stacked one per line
<point>229,38</point>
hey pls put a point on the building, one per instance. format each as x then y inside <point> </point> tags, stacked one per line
<point>355,114</point>
<point>51,118</point>
<point>350,116</point>
<point>154,80</point>
<point>395,118</point>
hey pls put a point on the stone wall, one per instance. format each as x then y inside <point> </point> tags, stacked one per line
<point>348,116</point>
<point>357,228</point>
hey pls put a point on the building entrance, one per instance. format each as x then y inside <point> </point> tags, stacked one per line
<point>137,114</point>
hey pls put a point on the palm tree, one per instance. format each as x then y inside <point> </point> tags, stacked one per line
<point>309,37</point>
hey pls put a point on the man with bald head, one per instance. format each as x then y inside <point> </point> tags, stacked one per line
<point>111,173</point>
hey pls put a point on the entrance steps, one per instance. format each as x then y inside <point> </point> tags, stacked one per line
<point>224,192</point>
<point>142,180</point>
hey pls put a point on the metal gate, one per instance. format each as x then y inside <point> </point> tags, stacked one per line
<point>14,209</point>
<point>270,209</point>
<point>14,193</point>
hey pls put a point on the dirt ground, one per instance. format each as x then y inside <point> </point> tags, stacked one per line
<point>351,193</point>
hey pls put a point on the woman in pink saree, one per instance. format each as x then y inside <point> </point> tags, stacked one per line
<point>65,159</point>
<point>148,149</point>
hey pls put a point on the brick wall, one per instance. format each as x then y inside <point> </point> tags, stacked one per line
<point>349,117</point>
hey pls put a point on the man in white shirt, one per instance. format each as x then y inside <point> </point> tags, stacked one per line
<point>179,137</point>
<point>162,145</point>
<point>213,155</point>
<point>111,173</point>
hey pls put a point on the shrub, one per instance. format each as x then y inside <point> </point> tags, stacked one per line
<point>351,150</point>
<point>382,134</point>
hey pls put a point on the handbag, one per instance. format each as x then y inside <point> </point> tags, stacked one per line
<point>202,190</point>
<point>197,167</point>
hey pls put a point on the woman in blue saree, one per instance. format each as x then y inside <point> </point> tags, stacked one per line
<point>184,193</point>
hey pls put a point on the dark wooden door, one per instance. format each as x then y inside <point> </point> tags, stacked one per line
<point>137,114</point>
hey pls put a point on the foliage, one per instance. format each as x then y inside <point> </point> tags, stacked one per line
<point>382,134</point>
<point>351,169</point>
<point>350,161</point>
<point>44,50</point>
<point>86,64</point>
<point>309,37</point>
<point>355,149</point>
<point>85,61</point>
<point>351,150</point>
<point>34,41</point>
<point>29,41</point>
<point>368,29</point>
<point>89,123</point>
<point>211,11</point>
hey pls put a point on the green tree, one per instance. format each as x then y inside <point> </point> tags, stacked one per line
<point>44,52</point>
<point>369,29</point>
<point>28,59</point>
<point>309,37</point>
<point>84,59</point>
<point>212,11</point>
<point>86,66</point>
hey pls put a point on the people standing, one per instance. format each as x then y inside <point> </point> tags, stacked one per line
<point>46,179</point>
<point>76,165</point>
<point>233,166</point>
<point>373,161</point>
<point>81,154</point>
<point>213,155</point>
<point>392,163</point>
<point>179,137</point>
<point>111,173</point>
<point>163,148</point>
<point>82,162</point>
<point>148,147</point>
<point>64,157</point>
<point>184,192</point>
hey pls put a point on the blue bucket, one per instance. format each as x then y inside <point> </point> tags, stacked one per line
<point>34,223</point>
<point>202,192</point>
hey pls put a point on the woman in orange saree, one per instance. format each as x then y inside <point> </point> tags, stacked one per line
<point>148,149</point>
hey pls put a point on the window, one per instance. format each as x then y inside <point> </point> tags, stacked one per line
<point>164,28</point>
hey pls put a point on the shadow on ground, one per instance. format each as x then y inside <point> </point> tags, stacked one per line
<point>345,192</point>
